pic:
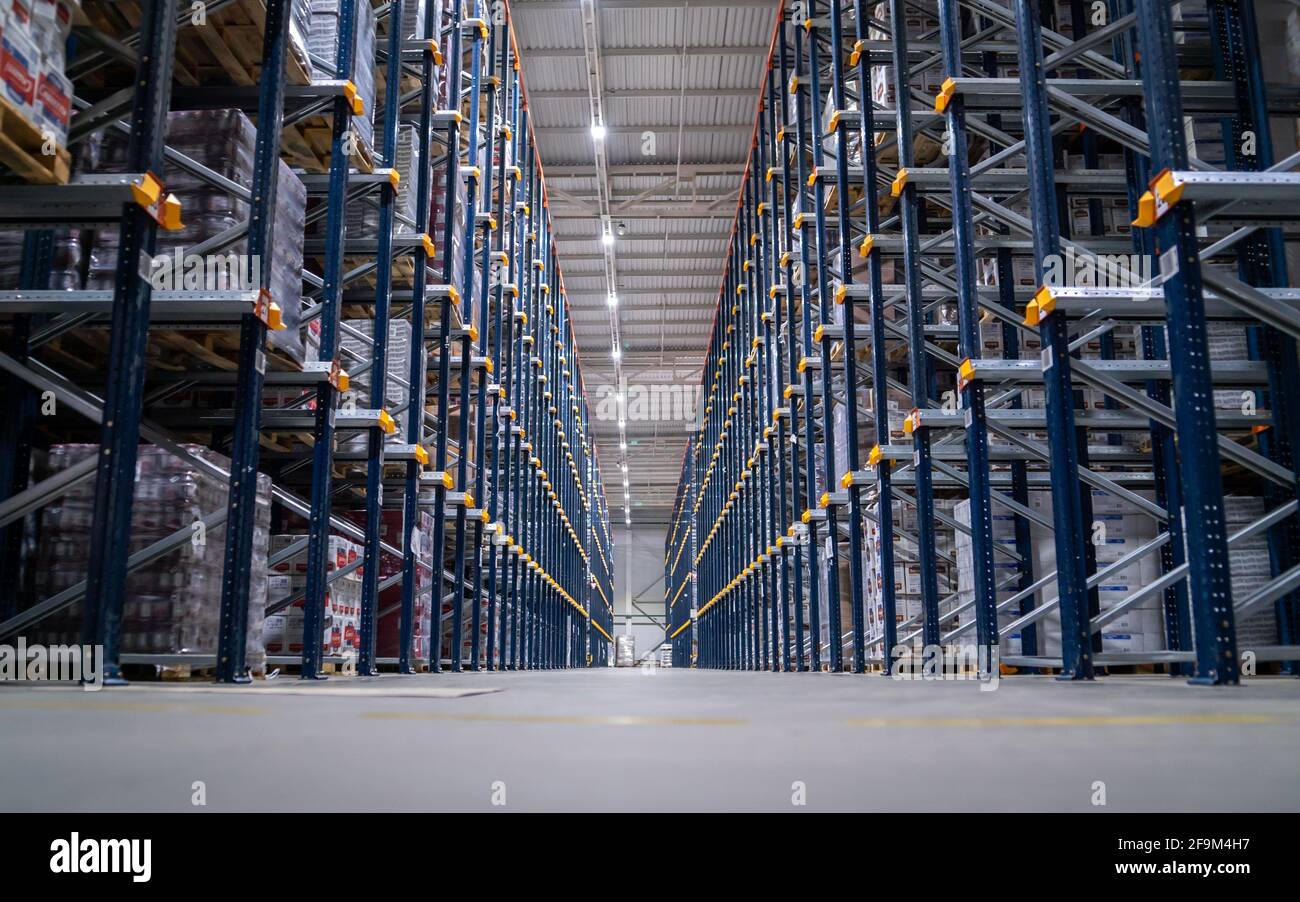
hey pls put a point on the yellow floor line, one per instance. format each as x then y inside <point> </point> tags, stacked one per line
<point>565,719</point>
<point>1119,720</point>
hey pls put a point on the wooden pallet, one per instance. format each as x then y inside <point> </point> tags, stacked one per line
<point>23,146</point>
<point>307,145</point>
<point>226,49</point>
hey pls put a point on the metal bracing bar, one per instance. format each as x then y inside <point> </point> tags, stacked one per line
<point>1269,520</point>
<point>1278,587</point>
<point>1092,375</point>
<point>77,592</point>
<point>40,376</point>
<point>1089,477</point>
<point>1009,19</point>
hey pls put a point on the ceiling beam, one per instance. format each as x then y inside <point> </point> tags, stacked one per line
<point>648,169</point>
<point>653,210</point>
<point>526,6</point>
<point>746,130</point>
<point>712,273</point>
<point>608,52</point>
<point>658,255</point>
<point>645,93</point>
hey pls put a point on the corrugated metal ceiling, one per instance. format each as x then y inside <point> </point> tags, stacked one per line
<point>679,84</point>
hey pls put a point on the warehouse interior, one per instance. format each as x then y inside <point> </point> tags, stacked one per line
<point>649,404</point>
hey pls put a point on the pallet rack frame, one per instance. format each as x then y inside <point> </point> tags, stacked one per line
<point>557,593</point>
<point>747,584</point>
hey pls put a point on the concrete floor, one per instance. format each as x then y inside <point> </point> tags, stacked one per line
<point>627,740</point>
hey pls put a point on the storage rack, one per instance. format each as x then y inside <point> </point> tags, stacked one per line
<point>810,340</point>
<point>536,550</point>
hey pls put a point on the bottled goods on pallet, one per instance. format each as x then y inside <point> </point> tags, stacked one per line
<point>387,632</point>
<point>172,604</point>
<point>624,650</point>
<point>340,625</point>
<point>323,44</point>
<point>223,141</point>
<point>358,353</point>
<point>65,265</point>
<point>363,218</point>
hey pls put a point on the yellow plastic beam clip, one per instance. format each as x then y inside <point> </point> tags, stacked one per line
<point>1168,191</point>
<point>1146,211</point>
<point>1044,302</point>
<point>846,481</point>
<point>262,306</point>
<point>427,241</point>
<point>947,91</point>
<point>965,372</point>
<point>865,248</point>
<point>422,455</point>
<point>900,182</point>
<point>169,215</point>
<point>874,459</point>
<point>387,423</point>
<point>338,378</point>
<point>858,48</point>
<point>355,101</point>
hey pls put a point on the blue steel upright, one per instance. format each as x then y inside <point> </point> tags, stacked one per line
<point>236,577</point>
<point>110,537</point>
<point>1209,572</point>
<point>318,528</point>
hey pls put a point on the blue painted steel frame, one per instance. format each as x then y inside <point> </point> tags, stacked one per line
<point>110,536</point>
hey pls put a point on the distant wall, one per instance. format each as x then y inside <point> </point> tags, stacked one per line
<point>638,574</point>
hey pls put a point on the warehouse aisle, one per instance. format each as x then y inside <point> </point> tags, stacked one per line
<point>662,740</point>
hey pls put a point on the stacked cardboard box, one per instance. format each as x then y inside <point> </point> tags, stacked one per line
<point>1251,566</point>
<point>33,34</point>
<point>172,604</point>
